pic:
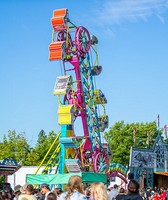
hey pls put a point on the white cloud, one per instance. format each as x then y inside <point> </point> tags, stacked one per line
<point>117,11</point>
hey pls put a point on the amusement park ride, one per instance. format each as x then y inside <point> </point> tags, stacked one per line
<point>71,44</point>
<point>78,98</point>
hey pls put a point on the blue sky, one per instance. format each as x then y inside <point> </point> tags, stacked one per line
<point>132,48</point>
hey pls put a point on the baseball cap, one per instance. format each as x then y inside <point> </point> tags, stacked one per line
<point>17,188</point>
<point>45,185</point>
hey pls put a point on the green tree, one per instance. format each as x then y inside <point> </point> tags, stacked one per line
<point>32,158</point>
<point>121,137</point>
<point>13,146</point>
<point>16,146</point>
<point>37,154</point>
<point>41,137</point>
<point>42,145</point>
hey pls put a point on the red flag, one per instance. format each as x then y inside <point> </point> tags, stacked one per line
<point>165,130</point>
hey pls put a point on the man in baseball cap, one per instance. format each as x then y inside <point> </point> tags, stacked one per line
<point>45,190</point>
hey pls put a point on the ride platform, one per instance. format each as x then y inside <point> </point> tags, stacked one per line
<point>52,179</point>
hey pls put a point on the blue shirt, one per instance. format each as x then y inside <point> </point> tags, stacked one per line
<point>74,196</point>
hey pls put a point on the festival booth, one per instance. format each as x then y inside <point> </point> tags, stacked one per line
<point>150,166</point>
<point>8,166</point>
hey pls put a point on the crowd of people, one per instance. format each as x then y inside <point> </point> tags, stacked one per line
<point>76,190</point>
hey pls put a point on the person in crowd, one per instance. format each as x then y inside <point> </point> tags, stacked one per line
<point>155,196</point>
<point>74,189</point>
<point>156,189</point>
<point>98,191</point>
<point>7,192</point>
<point>45,190</point>
<point>114,192</point>
<point>17,192</point>
<point>133,191</point>
<point>23,189</point>
<point>41,196</point>
<point>6,195</point>
<point>87,191</point>
<point>120,194</point>
<point>142,193</point>
<point>58,192</point>
<point>36,193</point>
<point>51,196</point>
<point>28,193</point>
<point>148,194</point>
<point>163,193</point>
